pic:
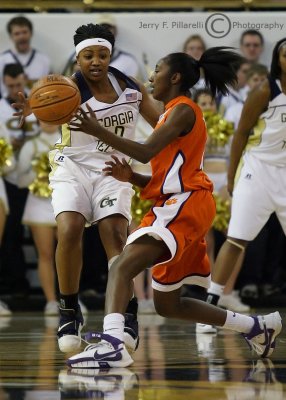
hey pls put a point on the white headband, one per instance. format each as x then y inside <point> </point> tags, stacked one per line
<point>92,42</point>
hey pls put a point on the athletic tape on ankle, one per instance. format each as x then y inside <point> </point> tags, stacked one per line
<point>240,246</point>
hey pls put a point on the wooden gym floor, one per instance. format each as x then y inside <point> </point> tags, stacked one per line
<point>172,363</point>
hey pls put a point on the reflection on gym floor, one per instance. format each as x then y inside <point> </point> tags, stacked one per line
<point>172,362</point>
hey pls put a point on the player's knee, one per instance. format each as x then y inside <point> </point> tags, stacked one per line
<point>69,234</point>
<point>118,237</point>
<point>164,309</point>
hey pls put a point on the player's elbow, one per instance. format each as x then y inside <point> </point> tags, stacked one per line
<point>145,154</point>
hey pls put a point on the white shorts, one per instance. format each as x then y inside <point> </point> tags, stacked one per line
<point>219,180</point>
<point>260,191</point>
<point>3,196</point>
<point>95,196</point>
<point>38,211</point>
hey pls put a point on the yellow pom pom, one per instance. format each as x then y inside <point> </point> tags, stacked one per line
<point>219,129</point>
<point>139,207</point>
<point>6,152</point>
<point>222,217</point>
<point>40,186</point>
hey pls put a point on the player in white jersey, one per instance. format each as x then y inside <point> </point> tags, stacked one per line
<point>260,188</point>
<point>35,63</point>
<point>81,193</point>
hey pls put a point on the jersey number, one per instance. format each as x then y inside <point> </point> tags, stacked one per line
<point>103,147</point>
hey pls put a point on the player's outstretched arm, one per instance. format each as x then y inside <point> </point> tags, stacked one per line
<point>181,119</point>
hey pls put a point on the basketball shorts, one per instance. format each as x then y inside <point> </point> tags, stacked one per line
<point>259,191</point>
<point>181,221</point>
<point>219,180</point>
<point>38,211</point>
<point>3,196</point>
<point>92,194</point>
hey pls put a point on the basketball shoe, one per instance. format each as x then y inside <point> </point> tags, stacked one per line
<point>110,352</point>
<point>70,326</point>
<point>261,338</point>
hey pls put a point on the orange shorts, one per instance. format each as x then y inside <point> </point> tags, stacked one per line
<point>181,221</point>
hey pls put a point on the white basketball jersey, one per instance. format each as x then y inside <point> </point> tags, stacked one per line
<point>119,117</point>
<point>268,141</point>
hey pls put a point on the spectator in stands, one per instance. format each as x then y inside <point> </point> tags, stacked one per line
<point>33,173</point>
<point>7,162</point>
<point>194,46</point>
<point>256,74</point>
<point>13,261</point>
<point>237,94</point>
<point>252,45</point>
<point>35,63</point>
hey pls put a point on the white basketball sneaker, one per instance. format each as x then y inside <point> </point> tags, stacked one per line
<point>262,336</point>
<point>110,352</point>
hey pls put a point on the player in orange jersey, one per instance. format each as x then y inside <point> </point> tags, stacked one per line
<point>171,235</point>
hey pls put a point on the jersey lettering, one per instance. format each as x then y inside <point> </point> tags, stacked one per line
<point>117,119</point>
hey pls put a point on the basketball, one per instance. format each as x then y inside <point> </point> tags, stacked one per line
<point>54,98</point>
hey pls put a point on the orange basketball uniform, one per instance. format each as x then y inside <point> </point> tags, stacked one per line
<point>184,206</point>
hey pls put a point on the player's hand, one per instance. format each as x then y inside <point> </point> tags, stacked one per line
<point>120,170</point>
<point>22,108</point>
<point>87,122</point>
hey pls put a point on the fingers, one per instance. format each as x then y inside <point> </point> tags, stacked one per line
<point>107,169</point>
<point>73,124</point>
<point>92,113</point>
<point>111,163</point>
<point>21,96</point>
<point>116,159</point>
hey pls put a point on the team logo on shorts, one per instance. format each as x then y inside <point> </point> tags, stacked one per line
<point>60,158</point>
<point>107,202</point>
<point>169,202</point>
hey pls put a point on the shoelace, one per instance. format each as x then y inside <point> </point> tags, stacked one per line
<point>92,346</point>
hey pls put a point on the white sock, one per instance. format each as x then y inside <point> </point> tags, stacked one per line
<point>111,261</point>
<point>113,325</point>
<point>216,288</point>
<point>238,322</point>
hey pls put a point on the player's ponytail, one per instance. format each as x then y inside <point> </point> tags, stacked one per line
<point>217,64</point>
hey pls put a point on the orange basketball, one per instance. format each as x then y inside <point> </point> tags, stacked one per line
<point>54,98</point>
